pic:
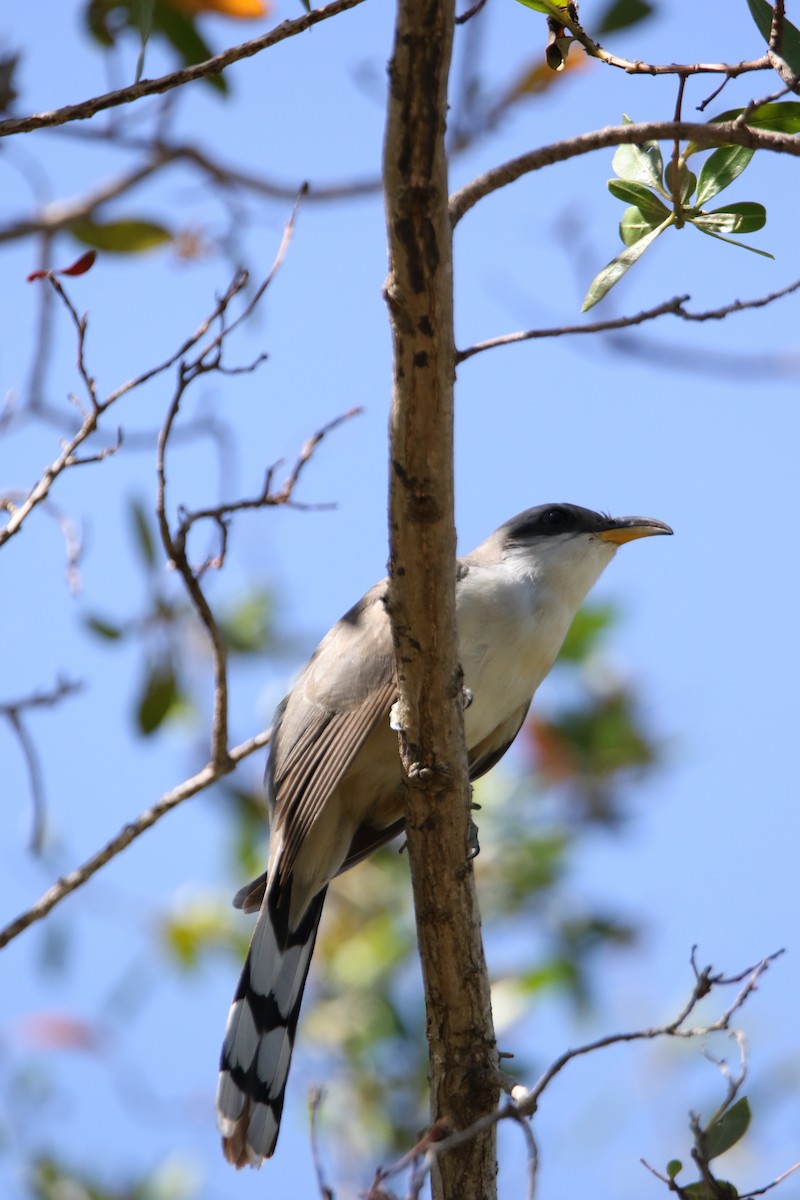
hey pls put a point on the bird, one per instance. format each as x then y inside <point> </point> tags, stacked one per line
<point>335,781</point>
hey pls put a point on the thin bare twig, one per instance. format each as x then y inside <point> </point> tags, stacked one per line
<point>776,59</point>
<point>676,148</point>
<point>56,216</point>
<point>267,498</point>
<point>636,66</point>
<point>12,711</point>
<point>703,105</point>
<point>675,307</point>
<point>704,983</point>
<point>70,530</point>
<point>69,883</point>
<point>315,1098</point>
<point>165,83</point>
<point>533,1158</point>
<point>523,1102</point>
<point>208,358</point>
<point>471,12</point>
<point>719,314</point>
<point>768,1187</point>
<point>223,760</point>
<point>90,419</point>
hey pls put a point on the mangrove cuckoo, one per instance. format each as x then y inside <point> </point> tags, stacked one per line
<point>336,785</point>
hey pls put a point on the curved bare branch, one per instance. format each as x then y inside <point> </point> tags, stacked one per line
<point>165,83</point>
<point>69,883</point>
<point>726,133</point>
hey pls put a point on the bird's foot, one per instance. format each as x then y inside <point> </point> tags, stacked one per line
<point>473,845</point>
<point>395,724</point>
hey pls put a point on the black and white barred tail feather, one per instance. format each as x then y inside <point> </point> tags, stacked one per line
<point>259,1036</point>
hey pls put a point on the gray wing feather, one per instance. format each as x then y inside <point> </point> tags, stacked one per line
<point>345,690</point>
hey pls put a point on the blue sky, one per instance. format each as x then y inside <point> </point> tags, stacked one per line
<point>693,424</point>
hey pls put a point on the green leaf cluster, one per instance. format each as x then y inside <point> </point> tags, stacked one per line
<point>658,198</point>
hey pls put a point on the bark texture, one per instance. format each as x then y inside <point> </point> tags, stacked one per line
<point>419,292</point>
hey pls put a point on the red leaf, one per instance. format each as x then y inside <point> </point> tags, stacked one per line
<point>79,267</point>
<point>551,752</point>
<point>55,1031</point>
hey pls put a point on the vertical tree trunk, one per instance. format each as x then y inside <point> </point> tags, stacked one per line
<point>419,291</point>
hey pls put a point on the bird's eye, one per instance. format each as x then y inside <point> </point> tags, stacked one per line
<point>555,518</point>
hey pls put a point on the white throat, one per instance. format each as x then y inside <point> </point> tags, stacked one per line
<point>513,616</point>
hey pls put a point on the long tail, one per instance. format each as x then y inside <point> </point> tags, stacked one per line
<point>259,1036</point>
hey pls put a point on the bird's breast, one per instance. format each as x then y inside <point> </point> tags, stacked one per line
<point>509,636</point>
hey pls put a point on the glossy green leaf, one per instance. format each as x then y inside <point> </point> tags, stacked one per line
<point>779,118</point>
<point>640,196</point>
<point>639,164</point>
<point>789,51</point>
<point>783,117</point>
<point>674,1167</point>
<point>542,6</point>
<point>731,241</point>
<point>120,237</point>
<point>635,225</point>
<point>621,14</point>
<point>613,272</point>
<point>744,217</point>
<point>687,181</point>
<point>159,694</point>
<point>142,532</point>
<point>727,1130</point>
<point>720,169</point>
<point>103,628</point>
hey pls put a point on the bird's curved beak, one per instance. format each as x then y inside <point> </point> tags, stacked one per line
<point>624,529</point>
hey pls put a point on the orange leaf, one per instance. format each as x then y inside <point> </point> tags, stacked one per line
<point>540,77</point>
<point>239,10</point>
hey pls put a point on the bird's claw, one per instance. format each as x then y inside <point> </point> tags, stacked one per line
<point>473,845</point>
<point>466,698</point>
